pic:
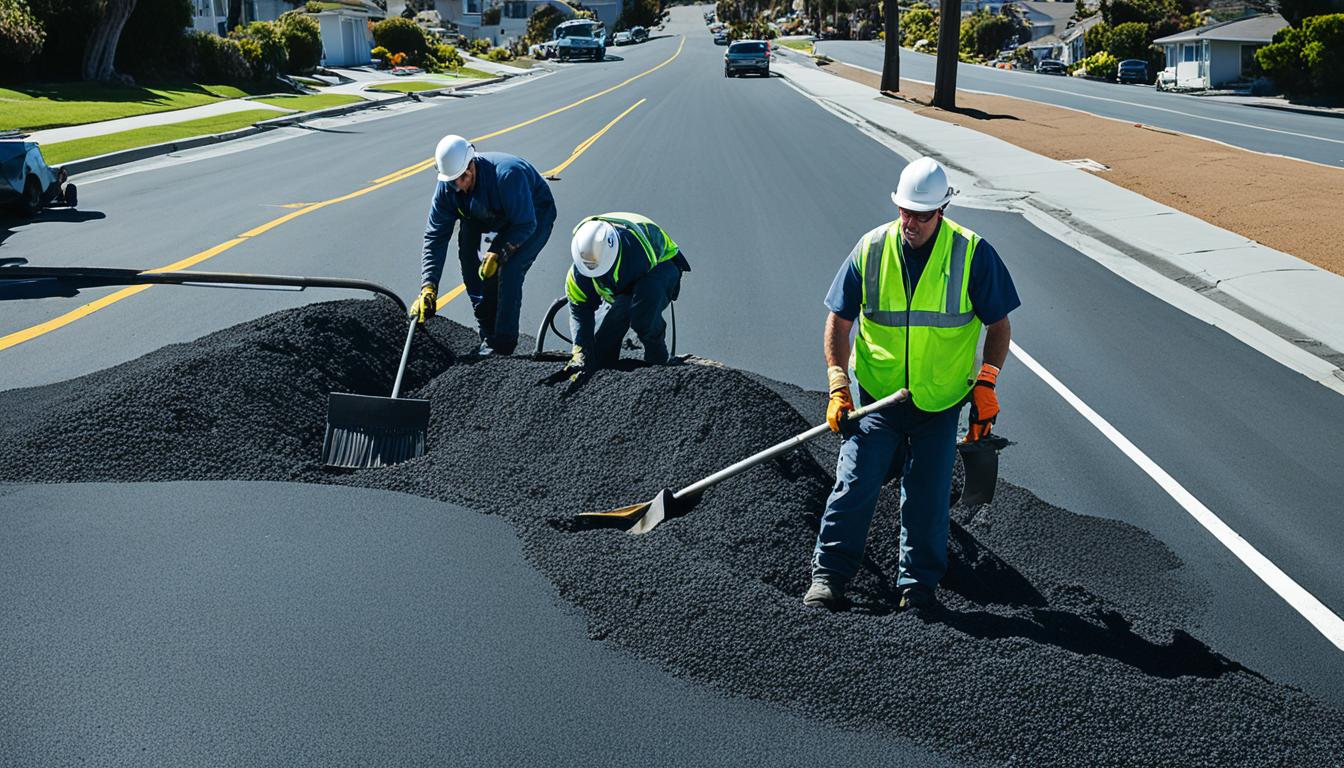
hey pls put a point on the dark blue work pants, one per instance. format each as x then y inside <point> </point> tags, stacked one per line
<point>498,301</point>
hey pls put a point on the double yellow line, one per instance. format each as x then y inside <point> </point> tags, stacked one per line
<point>27,334</point>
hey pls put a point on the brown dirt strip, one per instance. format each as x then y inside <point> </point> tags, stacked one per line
<point>1289,205</point>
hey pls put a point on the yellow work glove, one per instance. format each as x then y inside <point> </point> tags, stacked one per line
<point>425,306</point>
<point>489,266</point>
<point>577,361</point>
<point>841,403</point>
<point>984,403</point>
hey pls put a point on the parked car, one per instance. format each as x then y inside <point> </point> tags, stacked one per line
<point>1051,67</point>
<point>721,37</point>
<point>26,181</point>
<point>622,38</point>
<point>580,39</point>
<point>1166,80</point>
<point>1132,71</point>
<point>640,34</point>
<point>746,56</point>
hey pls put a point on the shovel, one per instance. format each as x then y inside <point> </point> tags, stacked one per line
<point>364,431</point>
<point>645,516</point>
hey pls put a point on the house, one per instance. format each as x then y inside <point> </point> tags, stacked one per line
<point>969,7</point>
<point>1215,55</point>
<point>346,37</point>
<point>1072,46</point>
<point>213,15</point>
<point>465,15</point>
<point>1043,18</point>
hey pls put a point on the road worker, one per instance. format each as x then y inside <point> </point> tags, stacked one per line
<point>507,211</point>
<point>628,266</point>
<point>921,288</point>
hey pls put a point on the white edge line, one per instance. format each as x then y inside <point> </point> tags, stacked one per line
<point>1322,618</point>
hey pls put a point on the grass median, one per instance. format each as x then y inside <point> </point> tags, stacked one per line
<point>53,105</point>
<point>65,151</point>
<point>411,86</point>
<point>309,102</point>
<point>798,45</point>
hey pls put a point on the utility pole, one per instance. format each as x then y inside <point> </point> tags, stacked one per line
<point>891,64</point>
<point>949,39</point>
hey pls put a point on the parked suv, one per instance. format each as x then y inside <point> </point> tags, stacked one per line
<point>1132,71</point>
<point>1051,67</point>
<point>747,56</point>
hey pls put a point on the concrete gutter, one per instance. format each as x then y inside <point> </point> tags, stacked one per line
<point>124,156</point>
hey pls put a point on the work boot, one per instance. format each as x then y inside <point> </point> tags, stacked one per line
<point>824,594</point>
<point>918,598</point>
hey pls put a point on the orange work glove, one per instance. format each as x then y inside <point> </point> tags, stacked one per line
<point>841,403</point>
<point>984,403</point>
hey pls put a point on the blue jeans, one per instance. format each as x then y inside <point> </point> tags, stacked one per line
<point>642,310</point>
<point>497,302</point>
<point>924,444</point>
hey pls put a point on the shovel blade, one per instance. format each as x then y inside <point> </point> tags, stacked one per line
<point>364,431</point>
<point>636,518</point>
<point>980,460</point>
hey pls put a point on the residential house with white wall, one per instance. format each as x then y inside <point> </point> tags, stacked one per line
<point>1215,55</point>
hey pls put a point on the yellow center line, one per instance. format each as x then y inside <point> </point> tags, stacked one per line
<point>579,150</point>
<point>27,334</point>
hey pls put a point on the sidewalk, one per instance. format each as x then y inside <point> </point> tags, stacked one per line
<point>993,173</point>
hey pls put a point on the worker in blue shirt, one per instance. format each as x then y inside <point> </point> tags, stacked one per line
<point>489,192</point>
<point>921,289</point>
<point>628,264</point>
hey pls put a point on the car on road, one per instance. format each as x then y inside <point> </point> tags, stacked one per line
<point>26,181</point>
<point>640,34</point>
<point>1051,67</point>
<point>747,56</point>
<point>580,39</point>
<point>622,38</point>
<point>1132,71</point>
<point>721,37</point>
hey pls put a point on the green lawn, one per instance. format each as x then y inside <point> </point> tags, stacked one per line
<point>310,102</point>
<point>409,86</point>
<point>52,105</point>
<point>65,151</point>
<point>798,45</point>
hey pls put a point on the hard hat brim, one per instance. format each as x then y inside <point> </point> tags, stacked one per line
<point>911,205</point>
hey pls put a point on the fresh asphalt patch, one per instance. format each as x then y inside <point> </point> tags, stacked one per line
<point>1061,640</point>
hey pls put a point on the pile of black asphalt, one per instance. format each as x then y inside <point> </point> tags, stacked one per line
<point>1061,640</point>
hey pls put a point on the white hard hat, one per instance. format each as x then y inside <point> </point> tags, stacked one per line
<point>923,186</point>
<point>594,248</point>
<point>452,156</point>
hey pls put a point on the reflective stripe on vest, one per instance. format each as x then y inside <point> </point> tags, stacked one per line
<point>642,227</point>
<point>929,342</point>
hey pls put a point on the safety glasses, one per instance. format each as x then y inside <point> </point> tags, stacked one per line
<point>919,216</point>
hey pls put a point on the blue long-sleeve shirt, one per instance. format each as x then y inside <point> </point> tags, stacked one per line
<point>506,199</point>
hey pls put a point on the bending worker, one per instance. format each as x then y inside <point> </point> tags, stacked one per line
<point>490,192</point>
<point>629,264</point>
<point>921,288</point>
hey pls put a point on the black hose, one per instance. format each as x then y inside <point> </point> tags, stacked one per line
<point>548,323</point>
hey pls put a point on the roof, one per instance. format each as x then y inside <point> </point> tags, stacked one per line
<point>1080,27</point>
<point>1253,29</point>
<point>1060,11</point>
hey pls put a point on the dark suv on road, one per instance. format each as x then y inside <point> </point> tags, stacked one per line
<point>1132,71</point>
<point>747,56</point>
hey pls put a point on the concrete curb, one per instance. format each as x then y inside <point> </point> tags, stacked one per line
<point>124,156</point>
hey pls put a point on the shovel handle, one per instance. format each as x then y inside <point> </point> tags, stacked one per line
<point>405,355</point>
<point>786,446</point>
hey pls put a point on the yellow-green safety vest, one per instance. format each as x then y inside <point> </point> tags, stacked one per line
<point>926,342</point>
<point>645,231</point>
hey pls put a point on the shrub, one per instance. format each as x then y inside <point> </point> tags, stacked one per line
<point>490,16</point>
<point>381,54</point>
<point>1308,60</point>
<point>541,25</point>
<point>263,46</point>
<point>21,34</point>
<point>499,54</point>
<point>1100,65</point>
<point>302,36</point>
<point>214,59</point>
<point>400,35</point>
<point>919,23</point>
<point>448,56</point>
<point>1097,38</point>
<point>479,47</point>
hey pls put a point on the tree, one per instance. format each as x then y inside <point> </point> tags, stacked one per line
<point>400,35</point>
<point>154,39</point>
<point>891,62</point>
<point>235,17</point>
<point>919,22</point>
<point>21,34</point>
<point>541,25</point>
<point>640,13</point>
<point>302,35</point>
<point>100,52</point>
<point>1295,11</point>
<point>1129,41</point>
<point>1097,38</point>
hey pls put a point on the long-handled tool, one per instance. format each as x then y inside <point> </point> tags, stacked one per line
<point>645,516</point>
<point>365,431</point>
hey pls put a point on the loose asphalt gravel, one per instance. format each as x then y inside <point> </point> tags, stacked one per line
<point>1062,640</point>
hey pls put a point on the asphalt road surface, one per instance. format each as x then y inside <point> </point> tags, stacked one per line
<point>1314,137</point>
<point>766,192</point>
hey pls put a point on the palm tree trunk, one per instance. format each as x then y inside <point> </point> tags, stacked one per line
<point>100,53</point>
